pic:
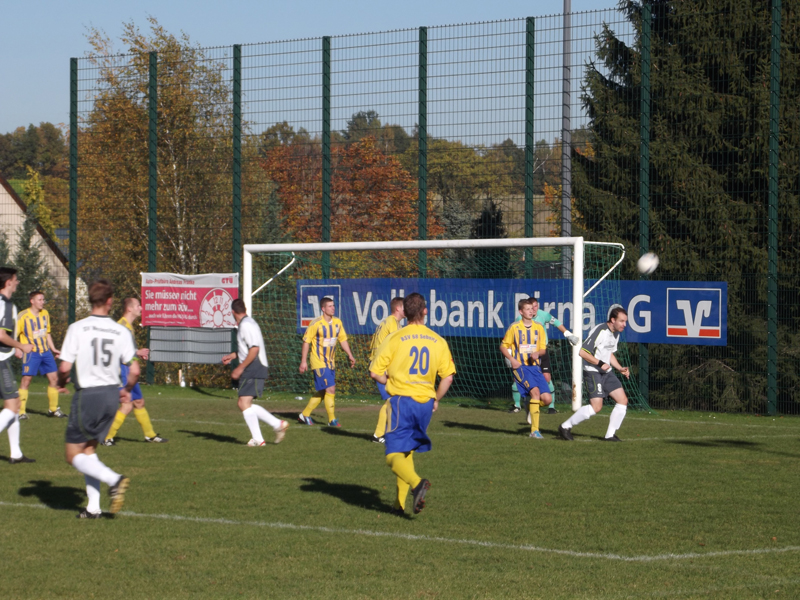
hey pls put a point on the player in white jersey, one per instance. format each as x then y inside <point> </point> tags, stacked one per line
<point>252,371</point>
<point>9,416</point>
<point>96,346</point>
<point>598,357</point>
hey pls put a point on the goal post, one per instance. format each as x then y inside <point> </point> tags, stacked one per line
<point>277,277</point>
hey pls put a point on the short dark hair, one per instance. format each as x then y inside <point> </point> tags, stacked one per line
<point>100,291</point>
<point>6,273</point>
<point>126,302</point>
<point>524,302</point>
<point>395,303</point>
<point>413,305</point>
<point>35,293</point>
<point>325,301</point>
<point>615,312</point>
<point>238,307</point>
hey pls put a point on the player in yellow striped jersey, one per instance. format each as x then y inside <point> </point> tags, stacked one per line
<point>389,325</point>
<point>132,310</point>
<point>408,362</point>
<point>319,347</point>
<point>523,344</point>
<point>33,327</point>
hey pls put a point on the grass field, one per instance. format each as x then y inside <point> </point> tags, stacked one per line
<point>689,506</point>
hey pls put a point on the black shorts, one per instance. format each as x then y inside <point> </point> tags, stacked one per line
<point>601,384</point>
<point>544,362</point>
<point>92,413</point>
<point>8,385</point>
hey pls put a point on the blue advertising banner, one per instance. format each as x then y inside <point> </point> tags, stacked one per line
<point>659,312</point>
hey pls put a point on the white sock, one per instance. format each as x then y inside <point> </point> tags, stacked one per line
<point>251,418</point>
<point>13,437</point>
<point>91,465</point>
<point>266,416</point>
<point>6,417</point>
<point>615,421</point>
<point>580,415</point>
<point>93,492</point>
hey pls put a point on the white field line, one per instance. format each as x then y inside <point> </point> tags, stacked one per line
<point>444,540</point>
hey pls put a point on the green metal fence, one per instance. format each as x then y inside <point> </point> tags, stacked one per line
<point>668,126</point>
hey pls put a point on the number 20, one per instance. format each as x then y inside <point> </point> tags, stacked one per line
<point>422,360</point>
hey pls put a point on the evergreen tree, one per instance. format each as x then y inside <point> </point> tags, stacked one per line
<point>5,250</point>
<point>30,264</point>
<point>491,263</point>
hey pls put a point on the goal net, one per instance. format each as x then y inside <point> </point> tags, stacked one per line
<point>471,288</point>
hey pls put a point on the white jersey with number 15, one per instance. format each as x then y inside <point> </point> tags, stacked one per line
<point>96,345</point>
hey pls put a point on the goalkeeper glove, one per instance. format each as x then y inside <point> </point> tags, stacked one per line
<point>572,339</point>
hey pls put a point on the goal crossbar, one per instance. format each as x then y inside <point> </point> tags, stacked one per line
<point>576,243</point>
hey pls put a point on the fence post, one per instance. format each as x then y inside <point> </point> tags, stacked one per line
<point>644,179</point>
<point>422,171</point>
<point>152,231</point>
<point>566,137</point>
<point>326,153</point>
<point>237,158</point>
<point>73,186</point>
<point>530,55</point>
<point>772,220</point>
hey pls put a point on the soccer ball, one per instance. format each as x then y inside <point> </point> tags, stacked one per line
<point>647,263</point>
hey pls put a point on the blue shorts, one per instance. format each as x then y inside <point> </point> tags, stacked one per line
<point>407,425</point>
<point>528,378</point>
<point>136,392</point>
<point>382,390</point>
<point>324,378</point>
<point>38,363</point>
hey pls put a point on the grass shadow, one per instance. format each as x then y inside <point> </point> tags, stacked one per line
<point>355,495</point>
<point>336,431</point>
<point>212,437</point>
<point>56,497</point>
<point>717,443</point>
<point>202,391</point>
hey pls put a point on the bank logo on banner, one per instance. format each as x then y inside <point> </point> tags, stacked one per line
<point>312,295</point>
<point>694,313</point>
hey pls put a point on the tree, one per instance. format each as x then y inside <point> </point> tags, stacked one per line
<point>708,159</point>
<point>31,267</point>
<point>194,159</point>
<point>34,198</point>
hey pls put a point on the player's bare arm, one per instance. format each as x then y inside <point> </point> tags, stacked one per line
<point>64,370</point>
<point>252,353</point>
<point>304,357</point>
<point>226,360</point>
<point>346,348</point>
<point>52,344</point>
<point>592,360</point>
<point>624,370</point>
<point>9,341</point>
<point>143,353</point>
<point>381,378</point>
<point>444,385</point>
<point>515,364</point>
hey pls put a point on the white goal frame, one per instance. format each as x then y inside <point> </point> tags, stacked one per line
<point>575,243</point>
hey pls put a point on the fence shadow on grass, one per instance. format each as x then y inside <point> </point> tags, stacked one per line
<point>213,437</point>
<point>335,431</point>
<point>355,495</point>
<point>56,497</point>
<point>487,429</point>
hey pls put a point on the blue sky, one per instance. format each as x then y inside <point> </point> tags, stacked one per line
<point>39,38</point>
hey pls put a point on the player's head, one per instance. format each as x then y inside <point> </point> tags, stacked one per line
<point>238,307</point>
<point>327,306</point>
<point>100,292</point>
<point>617,319</point>
<point>525,307</point>
<point>414,307</point>
<point>397,304</point>
<point>36,298</point>
<point>8,279</point>
<point>535,302</point>
<point>131,305</point>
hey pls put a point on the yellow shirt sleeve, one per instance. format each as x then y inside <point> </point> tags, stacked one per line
<point>508,338</point>
<point>342,337</point>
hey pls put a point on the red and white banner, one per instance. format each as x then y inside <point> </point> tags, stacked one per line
<point>170,300</point>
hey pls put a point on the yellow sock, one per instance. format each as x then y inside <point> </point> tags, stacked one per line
<point>313,403</point>
<point>143,417</point>
<point>118,421</point>
<point>23,401</point>
<point>534,415</point>
<point>329,405</point>
<point>52,398</point>
<point>402,465</point>
<point>380,429</point>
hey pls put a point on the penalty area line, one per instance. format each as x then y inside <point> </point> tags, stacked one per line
<point>441,540</point>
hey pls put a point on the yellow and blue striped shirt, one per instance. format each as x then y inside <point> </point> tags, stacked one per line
<point>387,326</point>
<point>33,329</point>
<point>323,336</point>
<point>523,341</point>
